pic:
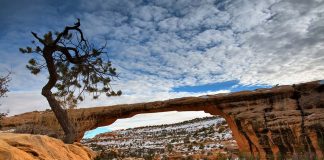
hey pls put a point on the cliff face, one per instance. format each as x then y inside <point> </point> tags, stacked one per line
<point>31,147</point>
<point>267,123</point>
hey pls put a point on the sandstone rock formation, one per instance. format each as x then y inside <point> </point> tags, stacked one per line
<point>37,147</point>
<point>266,123</point>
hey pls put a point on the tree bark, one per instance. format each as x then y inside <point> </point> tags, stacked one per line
<point>59,112</point>
<point>62,117</point>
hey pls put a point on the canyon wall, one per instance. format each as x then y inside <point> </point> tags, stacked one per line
<point>266,123</point>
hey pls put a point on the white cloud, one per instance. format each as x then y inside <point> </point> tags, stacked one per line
<point>150,119</point>
<point>21,102</point>
<point>158,45</point>
<point>144,97</point>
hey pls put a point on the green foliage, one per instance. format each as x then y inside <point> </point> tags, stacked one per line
<point>221,129</point>
<point>33,66</point>
<point>79,66</point>
<point>93,78</point>
<point>169,147</point>
<point>186,139</point>
<point>190,147</point>
<point>164,157</point>
<point>105,155</point>
<point>222,156</point>
<point>201,146</point>
<point>48,38</point>
<point>150,155</point>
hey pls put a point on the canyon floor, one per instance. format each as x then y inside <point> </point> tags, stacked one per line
<point>201,138</point>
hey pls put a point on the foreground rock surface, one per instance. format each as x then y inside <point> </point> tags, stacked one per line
<point>37,147</point>
<point>266,123</point>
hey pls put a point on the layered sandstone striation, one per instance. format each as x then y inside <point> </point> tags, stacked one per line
<point>31,147</point>
<point>267,123</point>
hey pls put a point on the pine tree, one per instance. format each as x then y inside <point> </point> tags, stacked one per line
<point>75,67</point>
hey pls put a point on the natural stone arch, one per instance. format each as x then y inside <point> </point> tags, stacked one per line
<point>266,122</point>
<point>242,142</point>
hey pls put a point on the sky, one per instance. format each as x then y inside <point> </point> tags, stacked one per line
<point>165,49</point>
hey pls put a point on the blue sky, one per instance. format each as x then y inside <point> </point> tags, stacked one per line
<point>147,120</point>
<point>232,86</point>
<point>172,48</point>
<point>94,132</point>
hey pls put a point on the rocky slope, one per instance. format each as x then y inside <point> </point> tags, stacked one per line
<point>266,123</point>
<point>200,138</point>
<point>37,147</point>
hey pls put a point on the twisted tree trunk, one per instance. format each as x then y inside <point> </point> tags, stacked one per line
<point>60,113</point>
<point>89,70</point>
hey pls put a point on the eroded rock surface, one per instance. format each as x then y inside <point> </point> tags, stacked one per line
<point>38,147</point>
<point>267,123</point>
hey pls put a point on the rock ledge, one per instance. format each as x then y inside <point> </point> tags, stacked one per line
<point>39,147</point>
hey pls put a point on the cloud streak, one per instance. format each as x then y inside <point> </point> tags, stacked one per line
<point>160,45</point>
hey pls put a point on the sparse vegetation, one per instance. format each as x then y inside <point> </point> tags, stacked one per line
<point>75,67</point>
<point>172,141</point>
<point>4,80</point>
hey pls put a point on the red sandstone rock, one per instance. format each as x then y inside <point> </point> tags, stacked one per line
<point>284,120</point>
<point>37,147</point>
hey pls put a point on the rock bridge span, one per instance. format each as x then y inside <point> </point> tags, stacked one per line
<point>283,120</point>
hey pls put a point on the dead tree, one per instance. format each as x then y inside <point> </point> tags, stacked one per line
<point>75,67</point>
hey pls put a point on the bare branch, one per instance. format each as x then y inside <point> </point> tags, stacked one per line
<point>39,39</point>
<point>73,65</point>
<point>69,57</point>
<point>67,29</point>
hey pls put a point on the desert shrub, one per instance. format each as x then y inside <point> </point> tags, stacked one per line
<point>169,147</point>
<point>105,155</point>
<point>190,147</point>
<point>2,115</point>
<point>201,146</point>
<point>164,157</point>
<point>186,139</point>
<point>221,129</point>
<point>221,156</point>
